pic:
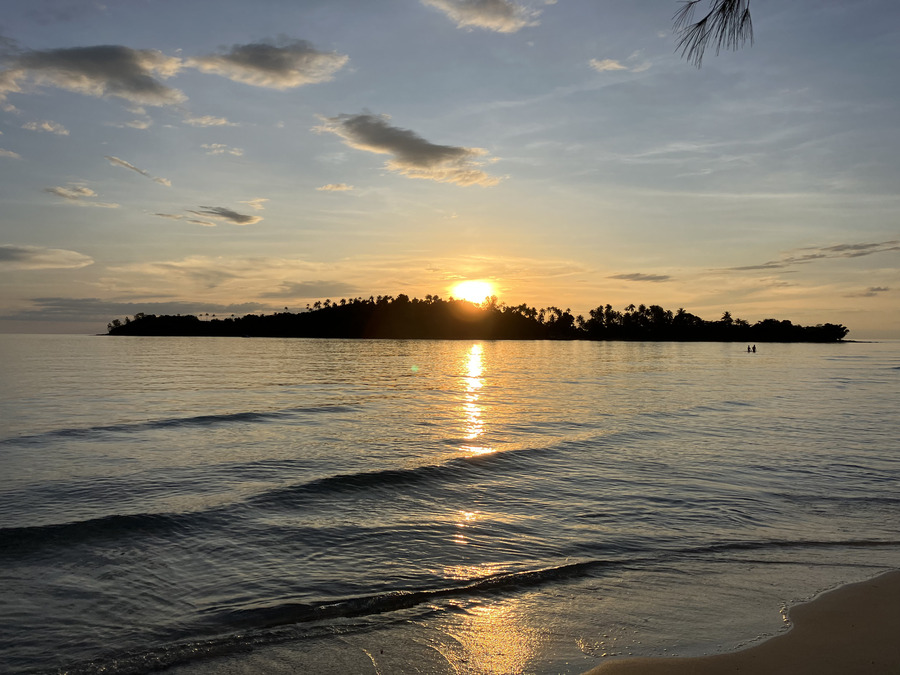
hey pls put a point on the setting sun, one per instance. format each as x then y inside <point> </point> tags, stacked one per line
<point>474,291</point>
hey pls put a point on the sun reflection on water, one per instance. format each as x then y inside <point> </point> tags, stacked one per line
<point>495,638</point>
<point>473,411</point>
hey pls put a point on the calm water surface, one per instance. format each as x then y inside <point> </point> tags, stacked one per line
<point>204,505</point>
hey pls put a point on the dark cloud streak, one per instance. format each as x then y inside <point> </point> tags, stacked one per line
<point>115,161</point>
<point>40,258</point>
<point>283,64</point>
<point>223,213</point>
<point>639,276</point>
<point>414,156</point>
<point>101,71</point>
<point>823,253</point>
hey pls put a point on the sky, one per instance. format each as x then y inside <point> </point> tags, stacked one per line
<point>226,157</point>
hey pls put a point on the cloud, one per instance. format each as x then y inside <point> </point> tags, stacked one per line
<point>102,311</point>
<point>77,194</point>
<point>209,121</point>
<point>257,204</point>
<point>606,65</point>
<point>51,127</point>
<point>72,193</point>
<point>638,64</point>
<point>221,149</point>
<point>312,289</point>
<point>115,161</point>
<point>502,16</point>
<point>335,187</point>
<point>194,276</point>
<point>414,157</point>
<point>102,71</point>
<point>40,258</point>
<point>178,216</point>
<point>281,65</point>
<point>10,154</point>
<point>639,276</point>
<point>222,213</point>
<point>813,254</point>
<point>870,292</point>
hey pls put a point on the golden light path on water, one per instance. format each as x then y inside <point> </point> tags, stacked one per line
<point>494,637</point>
<point>473,411</point>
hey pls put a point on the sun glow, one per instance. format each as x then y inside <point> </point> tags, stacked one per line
<point>474,291</point>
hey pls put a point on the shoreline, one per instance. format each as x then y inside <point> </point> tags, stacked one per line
<point>850,629</point>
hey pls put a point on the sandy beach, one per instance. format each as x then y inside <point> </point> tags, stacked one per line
<point>853,629</point>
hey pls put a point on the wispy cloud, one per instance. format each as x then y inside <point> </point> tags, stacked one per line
<point>604,65</point>
<point>48,126</point>
<point>635,63</point>
<point>221,149</point>
<point>101,311</point>
<point>248,278</point>
<point>870,292</point>
<point>115,161</point>
<point>413,156</point>
<point>222,213</point>
<point>139,124</point>
<point>101,71</point>
<point>501,16</point>
<point>258,204</point>
<point>10,154</point>
<point>209,121</point>
<point>640,276</point>
<point>202,272</point>
<point>79,194</point>
<point>179,216</point>
<point>41,258</point>
<point>812,254</point>
<point>303,290</point>
<point>335,187</point>
<point>282,64</point>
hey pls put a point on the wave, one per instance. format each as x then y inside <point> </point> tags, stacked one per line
<point>450,474</point>
<point>241,629</point>
<point>783,545</point>
<point>453,471</point>
<point>367,605</point>
<point>17,540</point>
<point>291,613</point>
<point>353,482</point>
<point>174,423</point>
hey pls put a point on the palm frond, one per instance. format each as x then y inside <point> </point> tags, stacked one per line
<point>727,25</point>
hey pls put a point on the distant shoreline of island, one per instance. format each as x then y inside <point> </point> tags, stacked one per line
<point>388,317</point>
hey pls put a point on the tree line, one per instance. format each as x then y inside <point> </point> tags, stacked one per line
<point>435,318</point>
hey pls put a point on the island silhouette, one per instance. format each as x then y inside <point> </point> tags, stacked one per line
<point>388,317</point>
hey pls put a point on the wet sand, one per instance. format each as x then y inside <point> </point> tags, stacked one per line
<point>854,630</point>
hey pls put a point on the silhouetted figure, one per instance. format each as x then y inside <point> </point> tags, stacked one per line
<point>748,349</point>
<point>754,349</point>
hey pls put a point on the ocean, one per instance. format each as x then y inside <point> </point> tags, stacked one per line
<point>228,505</point>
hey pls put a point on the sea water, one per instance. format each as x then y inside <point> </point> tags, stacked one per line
<point>207,505</point>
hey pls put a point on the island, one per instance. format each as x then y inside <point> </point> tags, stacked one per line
<point>400,317</point>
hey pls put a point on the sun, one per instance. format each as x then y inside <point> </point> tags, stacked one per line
<point>474,290</point>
